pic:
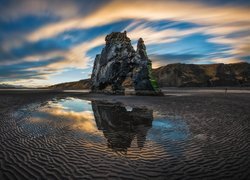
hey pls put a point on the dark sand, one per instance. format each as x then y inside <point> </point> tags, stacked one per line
<point>214,144</point>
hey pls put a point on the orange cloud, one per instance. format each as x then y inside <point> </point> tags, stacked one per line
<point>226,60</point>
<point>78,120</point>
<point>217,17</point>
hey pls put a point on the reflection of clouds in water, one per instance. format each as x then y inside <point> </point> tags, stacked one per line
<point>76,105</point>
<point>37,120</point>
<point>173,132</point>
<point>77,110</point>
<point>120,127</point>
<point>128,108</point>
<point>81,120</point>
<point>171,129</point>
<point>75,114</point>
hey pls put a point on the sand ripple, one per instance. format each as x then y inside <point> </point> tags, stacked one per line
<point>178,146</point>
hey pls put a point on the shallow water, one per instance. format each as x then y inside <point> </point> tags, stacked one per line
<point>116,127</point>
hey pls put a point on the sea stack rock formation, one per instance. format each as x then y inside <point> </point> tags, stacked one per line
<point>120,67</point>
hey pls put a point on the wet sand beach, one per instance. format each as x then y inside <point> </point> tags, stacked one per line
<point>183,135</point>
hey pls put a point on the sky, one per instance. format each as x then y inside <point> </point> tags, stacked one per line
<point>45,42</point>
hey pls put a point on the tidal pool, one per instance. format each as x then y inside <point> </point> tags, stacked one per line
<point>80,139</point>
<point>115,126</point>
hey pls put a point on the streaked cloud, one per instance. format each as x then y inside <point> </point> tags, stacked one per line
<point>158,36</point>
<point>198,13</point>
<point>226,59</point>
<point>14,9</point>
<point>42,40</point>
<point>35,67</point>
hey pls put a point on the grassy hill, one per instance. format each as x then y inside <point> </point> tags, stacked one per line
<point>82,84</point>
<point>211,75</point>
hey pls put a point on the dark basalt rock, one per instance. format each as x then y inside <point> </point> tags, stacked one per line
<point>119,63</point>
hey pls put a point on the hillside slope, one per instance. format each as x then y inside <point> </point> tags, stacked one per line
<point>191,75</point>
<point>8,86</point>
<point>82,84</point>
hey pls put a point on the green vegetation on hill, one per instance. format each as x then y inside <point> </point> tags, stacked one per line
<point>151,77</point>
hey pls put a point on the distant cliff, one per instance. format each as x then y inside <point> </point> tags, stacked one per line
<point>211,75</point>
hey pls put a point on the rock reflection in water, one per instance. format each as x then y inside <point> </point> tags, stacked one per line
<point>121,125</point>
